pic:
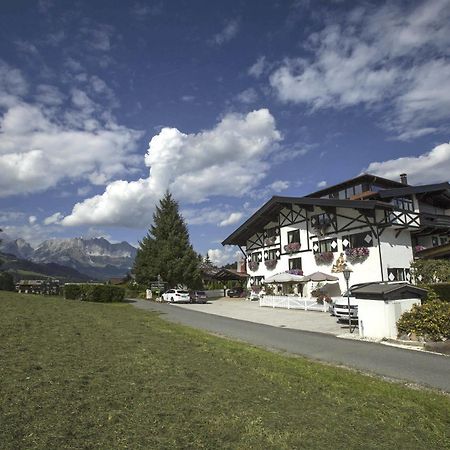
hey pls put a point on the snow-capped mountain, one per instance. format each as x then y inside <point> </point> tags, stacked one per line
<point>95,257</point>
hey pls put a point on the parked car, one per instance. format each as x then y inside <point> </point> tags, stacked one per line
<point>198,297</point>
<point>235,292</point>
<point>176,296</point>
<point>253,296</point>
<point>340,304</point>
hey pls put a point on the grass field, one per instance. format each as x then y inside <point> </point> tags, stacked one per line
<point>107,376</point>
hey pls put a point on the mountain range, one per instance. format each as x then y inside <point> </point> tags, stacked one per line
<point>96,258</point>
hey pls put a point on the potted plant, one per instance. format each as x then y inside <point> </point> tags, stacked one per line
<point>295,271</point>
<point>357,254</point>
<point>253,265</point>
<point>292,247</point>
<point>270,240</point>
<point>324,257</point>
<point>270,263</point>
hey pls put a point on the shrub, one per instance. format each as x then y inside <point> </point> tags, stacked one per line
<point>430,321</point>
<point>103,293</point>
<point>441,290</point>
<point>6,282</point>
<point>428,271</point>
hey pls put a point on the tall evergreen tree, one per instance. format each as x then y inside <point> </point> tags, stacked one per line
<point>166,249</point>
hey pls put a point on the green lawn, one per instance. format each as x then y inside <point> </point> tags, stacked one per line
<point>82,375</point>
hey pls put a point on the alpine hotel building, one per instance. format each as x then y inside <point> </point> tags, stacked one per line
<point>373,225</point>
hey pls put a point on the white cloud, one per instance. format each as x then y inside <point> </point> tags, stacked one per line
<point>226,255</point>
<point>388,54</point>
<point>248,96</point>
<point>431,167</point>
<point>53,219</point>
<point>32,220</point>
<point>321,184</point>
<point>43,143</point>
<point>257,69</point>
<point>279,185</point>
<point>228,160</point>
<point>231,219</point>
<point>227,33</point>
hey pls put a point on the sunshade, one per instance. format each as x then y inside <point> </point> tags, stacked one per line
<point>320,276</point>
<point>285,277</point>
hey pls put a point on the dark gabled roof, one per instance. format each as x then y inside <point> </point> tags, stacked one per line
<point>270,210</point>
<point>360,178</point>
<point>407,190</point>
<point>387,291</point>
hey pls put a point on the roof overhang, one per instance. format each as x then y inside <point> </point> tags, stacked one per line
<point>436,194</point>
<point>270,210</point>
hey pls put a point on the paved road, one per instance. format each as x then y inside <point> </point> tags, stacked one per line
<point>422,368</point>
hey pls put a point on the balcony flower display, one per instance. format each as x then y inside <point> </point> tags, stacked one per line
<point>292,247</point>
<point>270,241</point>
<point>324,257</point>
<point>270,263</point>
<point>357,254</point>
<point>253,265</point>
<point>295,271</point>
<point>419,248</point>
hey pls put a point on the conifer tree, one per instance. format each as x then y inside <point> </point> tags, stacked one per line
<point>166,249</point>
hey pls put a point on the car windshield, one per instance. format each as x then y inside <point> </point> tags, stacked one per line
<point>200,292</point>
<point>183,292</point>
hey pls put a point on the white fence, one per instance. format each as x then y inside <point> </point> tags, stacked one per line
<point>305,303</point>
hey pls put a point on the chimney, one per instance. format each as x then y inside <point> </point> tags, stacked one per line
<point>403,178</point>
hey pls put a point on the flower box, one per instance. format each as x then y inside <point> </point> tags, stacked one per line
<point>292,247</point>
<point>419,248</point>
<point>253,265</point>
<point>271,263</point>
<point>357,254</point>
<point>295,271</point>
<point>324,257</point>
<point>270,241</point>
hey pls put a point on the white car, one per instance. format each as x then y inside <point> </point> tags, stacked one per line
<point>176,296</point>
<point>340,307</point>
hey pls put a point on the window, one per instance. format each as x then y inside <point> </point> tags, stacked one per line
<point>295,263</point>
<point>256,256</point>
<point>293,236</point>
<point>398,274</point>
<point>357,240</point>
<point>443,240</point>
<point>257,281</point>
<point>272,254</point>
<point>320,220</point>
<point>403,203</point>
<point>327,245</point>
<point>434,241</point>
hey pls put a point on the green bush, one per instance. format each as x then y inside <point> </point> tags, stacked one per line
<point>6,282</point>
<point>430,321</point>
<point>442,291</point>
<point>103,293</point>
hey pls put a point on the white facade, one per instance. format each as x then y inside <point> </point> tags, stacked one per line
<point>389,246</point>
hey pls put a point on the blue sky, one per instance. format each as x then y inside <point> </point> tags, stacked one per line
<point>105,105</point>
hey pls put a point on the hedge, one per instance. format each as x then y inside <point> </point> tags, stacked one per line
<point>442,290</point>
<point>430,321</point>
<point>103,293</point>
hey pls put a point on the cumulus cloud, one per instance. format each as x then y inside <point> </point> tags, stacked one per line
<point>229,31</point>
<point>226,255</point>
<point>230,160</point>
<point>257,69</point>
<point>32,220</point>
<point>48,141</point>
<point>388,54</point>
<point>248,96</point>
<point>430,167</point>
<point>231,219</point>
<point>321,184</point>
<point>53,219</point>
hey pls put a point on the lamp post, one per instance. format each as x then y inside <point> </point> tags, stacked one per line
<point>347,273</point>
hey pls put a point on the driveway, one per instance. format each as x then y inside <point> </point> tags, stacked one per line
<point>422,368</point>
<point>295,319</point>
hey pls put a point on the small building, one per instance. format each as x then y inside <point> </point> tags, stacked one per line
<point>41,287</point>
